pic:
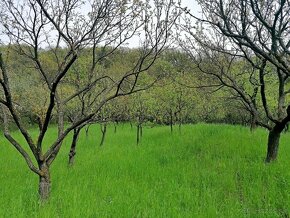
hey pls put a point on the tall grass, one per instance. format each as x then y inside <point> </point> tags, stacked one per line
<point>201,171</point>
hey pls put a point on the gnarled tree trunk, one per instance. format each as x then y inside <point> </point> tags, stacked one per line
<point>44,182</point>
<point>72,151</point>
<point>274,137</point>
<point>273,145</point>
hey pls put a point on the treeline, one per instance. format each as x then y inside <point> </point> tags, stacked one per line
<point>175,91</point>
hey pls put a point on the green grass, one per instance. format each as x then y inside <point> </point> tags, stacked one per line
<point>202,171</point>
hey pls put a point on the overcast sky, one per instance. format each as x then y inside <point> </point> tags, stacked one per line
<point>191,4</point>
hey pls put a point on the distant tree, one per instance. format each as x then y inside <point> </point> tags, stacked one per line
<point>119,111</point>
<point>114,65</point>
<point>103,118</point>
<point>245,44</point>
<point>65,30</point>
<point>174,101</point>
<point>140,110</point>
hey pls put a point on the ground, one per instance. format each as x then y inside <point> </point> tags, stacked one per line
<point>204,170</point>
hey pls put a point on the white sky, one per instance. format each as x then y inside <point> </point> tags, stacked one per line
<point>191,4</point>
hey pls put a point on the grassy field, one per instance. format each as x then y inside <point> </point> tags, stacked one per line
<point>202,171</point>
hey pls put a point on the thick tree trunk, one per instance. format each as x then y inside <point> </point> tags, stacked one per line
<point>286,129</point>
<point>274,137</point>
<point>253,127</point>
<point>253,123</point>
<point>273,145</point>
<point>104,131</point>
<point>273,141</point>
<point>44,182</point>
<point>72,152</point>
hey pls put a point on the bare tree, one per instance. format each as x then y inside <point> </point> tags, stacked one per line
<point>140,110</point>
<point>65,29</point>
<point>245,44</point>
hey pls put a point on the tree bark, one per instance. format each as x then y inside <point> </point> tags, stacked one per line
<point>104,130</point>
<point>274,137</point>
<point>253,123</point>
<point>273,145</point>
<point>87,130</point>
<point>72,151</point>
<point>44,182</point>
<point>286,129</point>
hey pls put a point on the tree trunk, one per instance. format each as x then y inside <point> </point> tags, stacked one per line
<point>179,127</point>
<point>253,123</point>
<point>72,152</point>
<point>115,126</point>
<point>138,133</point>
<point>273,145</point>
<point>253,127</point>
<point>171,122</point>
<point>274,137</point>
<point>87,130</point>
<point>286,129</point>
<point>141,131</point>
<point>44,182</point>
<point>273,141</point>
<point>104,130</point>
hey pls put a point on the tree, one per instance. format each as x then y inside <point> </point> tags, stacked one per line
<point>245,45</point>
<point>64,30</point>
<point>140,109</point>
